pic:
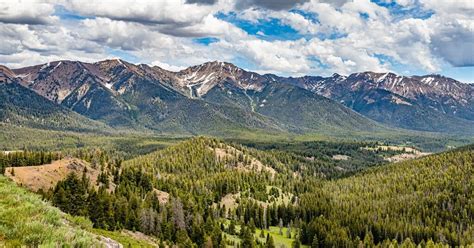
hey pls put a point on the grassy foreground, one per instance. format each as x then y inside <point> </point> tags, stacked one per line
<point>26,220</point>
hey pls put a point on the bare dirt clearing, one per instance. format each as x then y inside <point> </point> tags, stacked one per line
<point>254,164</point>
<point>46,176</point>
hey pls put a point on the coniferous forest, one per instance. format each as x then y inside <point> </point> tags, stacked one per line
<point>206,192</point>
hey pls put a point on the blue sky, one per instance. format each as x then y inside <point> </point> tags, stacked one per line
<point>291,38</point>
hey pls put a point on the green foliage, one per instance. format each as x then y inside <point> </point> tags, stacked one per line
<point>124,238</point>
<point>406,204</point>
<point>134,206</point>
<point>429,198</point>
<point>21,106</point>
<point>26,158</point>
<point>127,143</point>
<point>319,154</point>
<point>28,221</point>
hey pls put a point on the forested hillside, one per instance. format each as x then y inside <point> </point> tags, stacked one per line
<point>426,199</point>
<point>23,107</point>
<point>209,192</point>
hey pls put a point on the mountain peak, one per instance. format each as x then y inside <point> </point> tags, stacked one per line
<point>204,77</point>
<point>337,75</point>
<point>6,75</point>
<point>215,66</point>
<point>113,63</point>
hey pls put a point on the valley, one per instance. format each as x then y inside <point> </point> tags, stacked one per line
<point>126,155</point>
<point>216,156</point>
<point>208,191</point>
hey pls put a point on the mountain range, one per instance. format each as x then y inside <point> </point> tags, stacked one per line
<point>219,97</point>
<point>426,103</point>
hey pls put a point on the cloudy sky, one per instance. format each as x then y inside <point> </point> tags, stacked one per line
<point>286,37</point>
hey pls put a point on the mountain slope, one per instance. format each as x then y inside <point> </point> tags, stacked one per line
<point>129,96</point>
<point>29,221</point>
<point>398,111</point>
<point>21,106</point>
<point>217,97</point>
<point>429,198</point>
<point>425,200</point>
<point>296,109</point>
<point>78,86</point>
<point>212,98</point>
<point>301,108</point>
<point>425,103</point>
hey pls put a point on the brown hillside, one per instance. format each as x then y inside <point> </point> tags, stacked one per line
<point>46,176</point>
<point>255,164</point>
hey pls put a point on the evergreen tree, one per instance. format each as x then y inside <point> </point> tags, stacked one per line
<point>247,237</point>
<point>269,242</point>
<point>232,227</point>
<point>280,225</point>
<point>315,243</point>
<point>296,244</point>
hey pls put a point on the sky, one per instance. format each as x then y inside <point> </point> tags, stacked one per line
<point>285,37</point>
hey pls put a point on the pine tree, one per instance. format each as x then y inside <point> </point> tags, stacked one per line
<point>288,231</point>
<point>252,226</point>
<point>369,240</point>
<point>315,243</point>
<point>280,225</point>
<point>407,243</point>
<point>269,242</point>
<point>208,243</point>
<point>247,238</point>
<point>296,244</point>
<point>232,227</point>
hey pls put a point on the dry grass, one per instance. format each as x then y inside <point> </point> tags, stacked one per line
<point>255,164</point>
<point>163,197</point>
<point>46,176</point>
<point>229,201</point>
<point>341,157</point>
<point>406,156</point>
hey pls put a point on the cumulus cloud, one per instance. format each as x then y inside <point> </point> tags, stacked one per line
<point>210,26</point>
<point>208,2</point>
<point>161,12</point>
<point>455,43</point>
<point>167,66</point>
<point>26,12</point>
<point>333,36</point>
<point>268,4</point>
<point>453,30</point>
<point>277,56</point>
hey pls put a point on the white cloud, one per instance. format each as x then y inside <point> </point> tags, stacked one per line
<point>121,34</point>
<point>32,12</point>
<point>167,66</point>
<point>164,12</point>
<point>453,30</point>
<point>277,56</point>
<point>161,32</point>
<point>268,4</point>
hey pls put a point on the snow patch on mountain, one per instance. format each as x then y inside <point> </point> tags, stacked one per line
<point>54,68</point>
